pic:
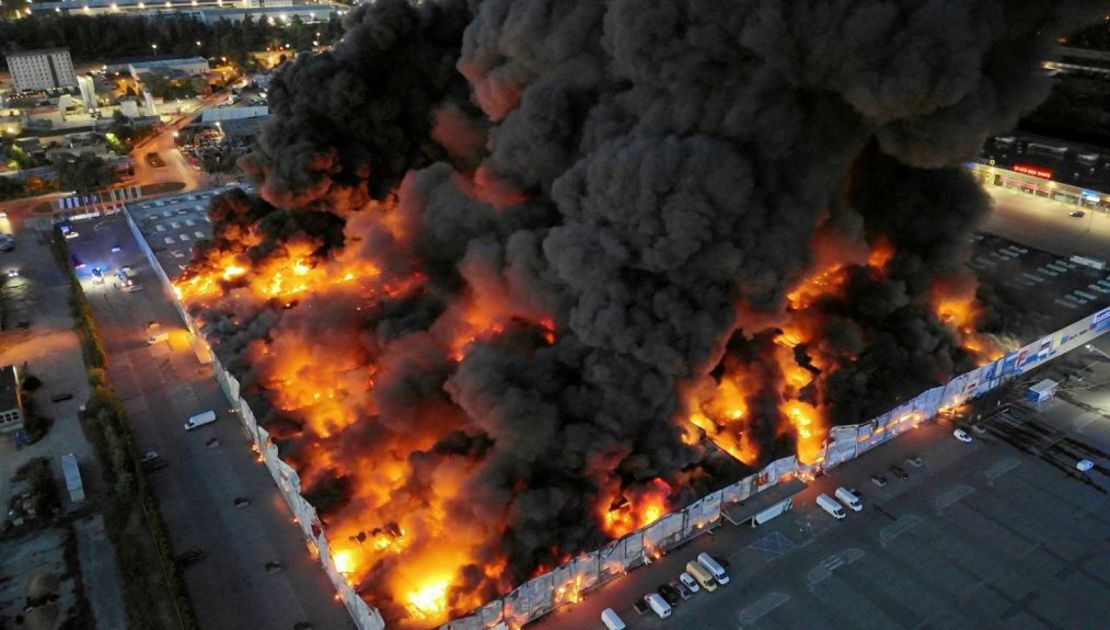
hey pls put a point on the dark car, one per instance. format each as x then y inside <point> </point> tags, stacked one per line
<point>77,263</point>
<point>1078,214</point>
<point>878,480</point>
<point>899,472</point>
<point>641,607</point>
<point>61,397</point>
<point>681,588</point>
<point>670,594</point>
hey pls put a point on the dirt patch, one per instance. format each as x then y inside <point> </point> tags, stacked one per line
<point>36,586</point>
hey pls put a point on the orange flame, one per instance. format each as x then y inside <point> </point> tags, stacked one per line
<point>639,507</point>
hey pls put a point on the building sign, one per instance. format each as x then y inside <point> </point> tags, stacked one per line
<point>1032,170</point>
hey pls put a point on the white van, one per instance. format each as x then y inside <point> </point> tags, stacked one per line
<point>612,620</point>
<point>200,419</point>
<point>714,568</point>
<point>847,498</point>
<point>830,505</point>
<point>658,604</point>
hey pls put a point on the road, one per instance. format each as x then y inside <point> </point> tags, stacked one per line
<point>209,468</point>
<point>51,350</point>
<point>1047,224</point>
<point>984,535</point>
<point>176,169</point>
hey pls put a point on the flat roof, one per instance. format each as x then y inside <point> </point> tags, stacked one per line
<point>9,385</point>
<point>1044,386</point>
<point>37,51</point>
<point>739,512</point>
<point>172,224</point>
<point>173,61</point>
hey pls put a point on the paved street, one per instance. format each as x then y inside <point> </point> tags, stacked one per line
<point>1047,224</point>
<point>51,349</point>
<point>209,468</point>
<point>177,168</point>
<point>984,535</point>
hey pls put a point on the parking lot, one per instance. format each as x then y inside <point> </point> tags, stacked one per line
<point>982,535</point>
<point>215,496</point>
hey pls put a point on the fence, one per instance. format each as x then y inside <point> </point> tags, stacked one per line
<point>587,571</point>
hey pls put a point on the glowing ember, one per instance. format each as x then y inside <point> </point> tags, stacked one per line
<point>429,602</point>
<point>344,562</point>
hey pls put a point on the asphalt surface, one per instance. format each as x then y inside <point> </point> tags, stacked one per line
<point>1047,224</point>
<point>208,468</point>
<point>984,535</point>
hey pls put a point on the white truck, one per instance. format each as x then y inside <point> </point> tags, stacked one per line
<point>658,604</point>
<point>831,506</point>
<point>199,420</point>
<point>612,620</point>
<point>714,568</point>
<point>847,497</point>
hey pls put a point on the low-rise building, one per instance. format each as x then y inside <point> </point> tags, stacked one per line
<point>193,66</point>
<point>11,400</point>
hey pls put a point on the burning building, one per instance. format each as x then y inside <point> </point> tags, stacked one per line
<point>518,274</point>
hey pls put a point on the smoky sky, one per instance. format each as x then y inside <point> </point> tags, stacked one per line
<point>631,171</point>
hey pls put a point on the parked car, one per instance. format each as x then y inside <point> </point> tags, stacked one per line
<point>98,275</point>
<point>670,594</point>
<point>682,590</point>
<point>899,472</point>
<point>915,461</point>
<point>1084,465</point>
<point>115,248</point>
<point>64,396</point>
<point>962,436</point>
<point>689,582</point>
<point>1078,214</point>
<point>641,607</point>
<point>878,480</point>
<point>149,456</point>
<point>979,428</point>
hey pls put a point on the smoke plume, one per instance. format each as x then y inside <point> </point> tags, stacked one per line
<point>511,261</point>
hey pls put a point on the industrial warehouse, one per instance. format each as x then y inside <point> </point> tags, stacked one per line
<point>159,225</point>
<point>569,315</point>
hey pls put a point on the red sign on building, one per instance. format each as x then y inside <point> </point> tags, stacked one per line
<point>1032,170</point>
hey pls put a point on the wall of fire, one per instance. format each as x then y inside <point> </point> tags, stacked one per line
<point>567,583</point>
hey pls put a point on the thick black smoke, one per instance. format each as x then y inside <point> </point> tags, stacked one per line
<point>638,170</point>
<point>350,122</point>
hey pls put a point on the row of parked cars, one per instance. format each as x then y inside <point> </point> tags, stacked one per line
<point>703,573</point>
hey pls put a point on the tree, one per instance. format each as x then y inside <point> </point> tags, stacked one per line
<point>13,8</point>
<point>83,173</point>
